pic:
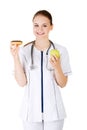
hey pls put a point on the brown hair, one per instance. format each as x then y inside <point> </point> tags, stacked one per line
<point>44,13</point>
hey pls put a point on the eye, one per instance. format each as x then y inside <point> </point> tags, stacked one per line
<point>36,25</point>
<point>44,25</point>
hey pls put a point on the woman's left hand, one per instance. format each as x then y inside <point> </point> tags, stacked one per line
<point>60,78</point>
<point>55,61</point>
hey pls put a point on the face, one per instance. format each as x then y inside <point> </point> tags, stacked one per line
<point>41,26</point>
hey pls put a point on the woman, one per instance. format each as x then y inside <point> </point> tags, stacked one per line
<point>42,75</point>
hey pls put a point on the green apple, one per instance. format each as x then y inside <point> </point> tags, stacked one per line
<point>55,52</point>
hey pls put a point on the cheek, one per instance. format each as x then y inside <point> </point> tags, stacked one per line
<point>47,31</point>
<point>34,30</point>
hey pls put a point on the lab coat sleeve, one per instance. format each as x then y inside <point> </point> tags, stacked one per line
<point>24,62</point>
<point>65,62</point>
<point>22,58</point>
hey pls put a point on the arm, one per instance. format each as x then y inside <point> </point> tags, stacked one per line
<point>19,72</point>
<point>60,78</point>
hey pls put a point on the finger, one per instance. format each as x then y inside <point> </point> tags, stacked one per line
<point>54,59</point>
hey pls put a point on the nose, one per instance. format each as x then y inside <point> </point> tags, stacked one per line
<point>40,29</point>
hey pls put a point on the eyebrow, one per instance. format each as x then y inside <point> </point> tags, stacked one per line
<point>43,23</point>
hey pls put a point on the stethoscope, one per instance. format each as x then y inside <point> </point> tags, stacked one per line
<point>47,52</point>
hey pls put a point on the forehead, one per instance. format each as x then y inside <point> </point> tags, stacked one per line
<point>41,18</point>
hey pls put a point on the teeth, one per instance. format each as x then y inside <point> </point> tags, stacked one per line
<point>40,33</point>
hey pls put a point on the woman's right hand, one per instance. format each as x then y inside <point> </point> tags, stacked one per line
<point>14,49</point>
<point>19,72</point>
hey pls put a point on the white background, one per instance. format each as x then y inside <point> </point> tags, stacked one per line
<point>70,30</point>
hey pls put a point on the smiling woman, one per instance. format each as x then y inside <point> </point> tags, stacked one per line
<point>42,106</point>
<point>42,25</point>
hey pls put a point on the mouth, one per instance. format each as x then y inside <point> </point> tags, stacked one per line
<point>40,33</point>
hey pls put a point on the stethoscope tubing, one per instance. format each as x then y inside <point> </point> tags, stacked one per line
<point>32,59</point>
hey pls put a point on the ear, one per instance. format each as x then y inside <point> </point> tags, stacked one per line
<point>51,27</point>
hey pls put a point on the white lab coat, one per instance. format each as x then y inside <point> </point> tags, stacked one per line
<point>53,104</point>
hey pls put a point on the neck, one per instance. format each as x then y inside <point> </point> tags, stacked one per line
<point>42,45</point>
